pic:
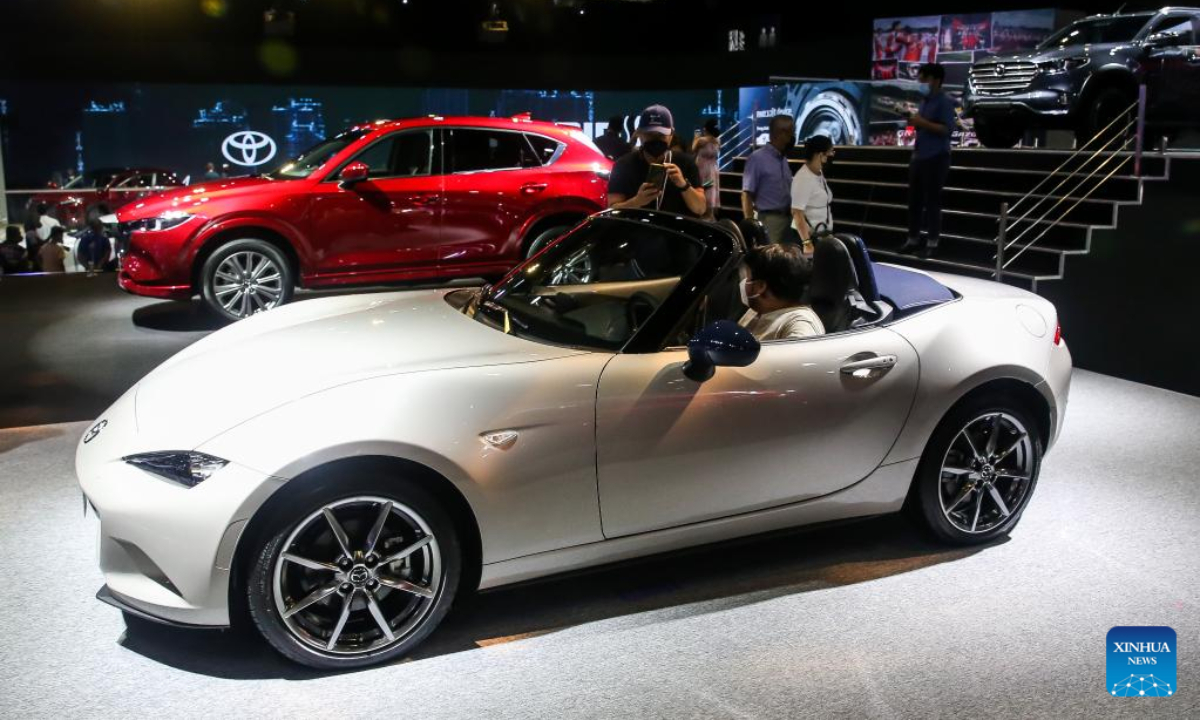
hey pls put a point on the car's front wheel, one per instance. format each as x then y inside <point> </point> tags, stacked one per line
<point>995,132</point>
<point>978,471</point>
<point>355,577</point>
<point>246,276</point>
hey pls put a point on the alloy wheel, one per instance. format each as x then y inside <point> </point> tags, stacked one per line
<point>357,576</point>
<point>986,473</point>
<point>247,282</point>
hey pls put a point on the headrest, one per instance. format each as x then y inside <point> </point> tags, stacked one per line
<point>754,233</point>
<point>833,270</point>
<point>864,269</point>
<point>735,231</point>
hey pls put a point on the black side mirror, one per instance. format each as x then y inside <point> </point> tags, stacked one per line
<point>723,343</point>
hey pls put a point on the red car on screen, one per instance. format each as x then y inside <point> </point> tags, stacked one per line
<point>102,191</point>
<point>400,200</point>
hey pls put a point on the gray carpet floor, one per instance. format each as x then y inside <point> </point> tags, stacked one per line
<point>865,619</point>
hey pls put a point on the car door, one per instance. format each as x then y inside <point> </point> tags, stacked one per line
<point>1173,80</point>
<point>495,180</point>
<point>798,423</point>
<point>388,222</point>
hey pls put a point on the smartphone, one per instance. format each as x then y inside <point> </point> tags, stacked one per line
<point>657,176</point>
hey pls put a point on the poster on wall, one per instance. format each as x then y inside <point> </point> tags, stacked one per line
<point>1021,29</point>
<point>900,45</point>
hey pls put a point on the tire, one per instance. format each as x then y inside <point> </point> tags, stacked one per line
<point>276,585</point>
<point>997,133</point>
<point>544,238</point>
<point>1104,107</point>
<point>266,277</point>
<point>942,480</point>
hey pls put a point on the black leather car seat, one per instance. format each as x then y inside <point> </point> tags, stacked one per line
<point>754,233</point>
<point>833,281</point>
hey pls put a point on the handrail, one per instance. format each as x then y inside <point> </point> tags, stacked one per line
<point>1084,174</point>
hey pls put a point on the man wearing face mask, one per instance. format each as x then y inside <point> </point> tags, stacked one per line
<point>774,280</point>
<point>930,161</point>
<point>767,180</point>
<point>680,193</point>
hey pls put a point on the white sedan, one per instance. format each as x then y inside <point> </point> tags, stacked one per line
<point>338,470</point>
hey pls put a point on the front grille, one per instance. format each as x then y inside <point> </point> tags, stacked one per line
<point>998,77</point>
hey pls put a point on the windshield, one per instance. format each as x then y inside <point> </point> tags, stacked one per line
<point>96,178</point>
<point>310,160</point>
<point>1098,31</point>
<point>594,288</point>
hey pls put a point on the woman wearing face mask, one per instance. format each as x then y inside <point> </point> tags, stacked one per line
<point>681,192</point>
<point>811,196</point>
<point>774,280</point>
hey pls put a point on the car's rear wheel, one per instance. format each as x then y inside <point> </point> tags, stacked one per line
<point>979,471</point>
<point>246,276</point>
<point>356,576</point>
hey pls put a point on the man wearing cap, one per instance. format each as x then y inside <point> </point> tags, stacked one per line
<point>681,193</point>
<point>767,180</point>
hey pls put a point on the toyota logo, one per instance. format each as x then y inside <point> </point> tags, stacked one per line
<point>94,431</point>
<point>248,148</point>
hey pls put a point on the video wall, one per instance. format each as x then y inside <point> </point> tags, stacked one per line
<point>902,44</point>
<point>49,131</point>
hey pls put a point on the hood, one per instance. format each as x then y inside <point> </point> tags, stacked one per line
<point>275,357</point>
<point>192,197</point>
<point>1054,53</point>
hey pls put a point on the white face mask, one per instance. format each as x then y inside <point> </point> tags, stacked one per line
<point>746,298</point>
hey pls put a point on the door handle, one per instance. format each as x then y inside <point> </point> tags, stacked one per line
<point>533,188</point>
<point>426,200</point>
<point>870,367</point>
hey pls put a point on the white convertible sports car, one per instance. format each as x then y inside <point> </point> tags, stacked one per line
<point>339,470</point>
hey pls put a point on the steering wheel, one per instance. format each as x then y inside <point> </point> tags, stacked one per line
<point>639,308</point>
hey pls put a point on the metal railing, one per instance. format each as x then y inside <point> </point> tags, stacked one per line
<point>737,140</point>
<point>1113,138</point>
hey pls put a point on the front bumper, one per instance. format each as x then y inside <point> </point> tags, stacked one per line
<point>167,292</point>
<point>165,550</point>
<point>1052,103</point>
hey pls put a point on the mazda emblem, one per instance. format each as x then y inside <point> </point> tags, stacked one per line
<point>94,431</point>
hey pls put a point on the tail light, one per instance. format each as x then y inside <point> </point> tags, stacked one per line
<point>1058,334</point>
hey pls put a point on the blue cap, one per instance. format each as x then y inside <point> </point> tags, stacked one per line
<point>656,119</point>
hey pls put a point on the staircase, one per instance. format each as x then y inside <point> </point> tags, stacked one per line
<point>870,190</point>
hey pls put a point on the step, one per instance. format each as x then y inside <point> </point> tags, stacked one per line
<point>968,253</point>
<point>1154,165</point>
<point>983,228</point>
<point>1099,186</point>
<point>1079,210</point>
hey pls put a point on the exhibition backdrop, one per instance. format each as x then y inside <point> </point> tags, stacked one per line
<point>902,44</point>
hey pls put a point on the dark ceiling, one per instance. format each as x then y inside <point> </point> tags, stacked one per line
<point>549,43</point>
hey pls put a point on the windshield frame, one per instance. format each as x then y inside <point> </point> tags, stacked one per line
<point>346,139</point>
<point>1053,42</point>
<point>718,250</point>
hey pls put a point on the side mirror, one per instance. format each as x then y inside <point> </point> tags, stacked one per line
<point>1157,41</point>
<point>353,173</point>
<point>723,343</point>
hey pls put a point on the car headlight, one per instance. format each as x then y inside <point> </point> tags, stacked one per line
<point>1061,65</point>
<point>188,468</point>
<point>166,221</point>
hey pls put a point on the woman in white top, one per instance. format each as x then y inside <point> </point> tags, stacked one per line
<point>811,196</point>
<point>774,279</point>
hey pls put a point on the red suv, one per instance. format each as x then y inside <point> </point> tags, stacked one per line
<point>390,201</point>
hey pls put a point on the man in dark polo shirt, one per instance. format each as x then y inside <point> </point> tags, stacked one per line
<point>930,162</point>
<point>681,193</point>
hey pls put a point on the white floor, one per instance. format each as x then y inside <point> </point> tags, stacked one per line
<point>863,620</point>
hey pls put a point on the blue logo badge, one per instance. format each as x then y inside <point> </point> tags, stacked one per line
<point>1141,661</point>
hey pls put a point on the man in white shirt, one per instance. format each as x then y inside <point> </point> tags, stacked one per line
<point>811,196</point>
<point>774,279</point>
<point>46,223</point>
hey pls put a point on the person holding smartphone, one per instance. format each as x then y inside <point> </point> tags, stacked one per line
<point>654,177</point>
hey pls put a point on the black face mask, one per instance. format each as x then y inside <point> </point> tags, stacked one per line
<point>655,148</point>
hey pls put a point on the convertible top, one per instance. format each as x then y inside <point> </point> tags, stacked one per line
<point>909,291</point>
